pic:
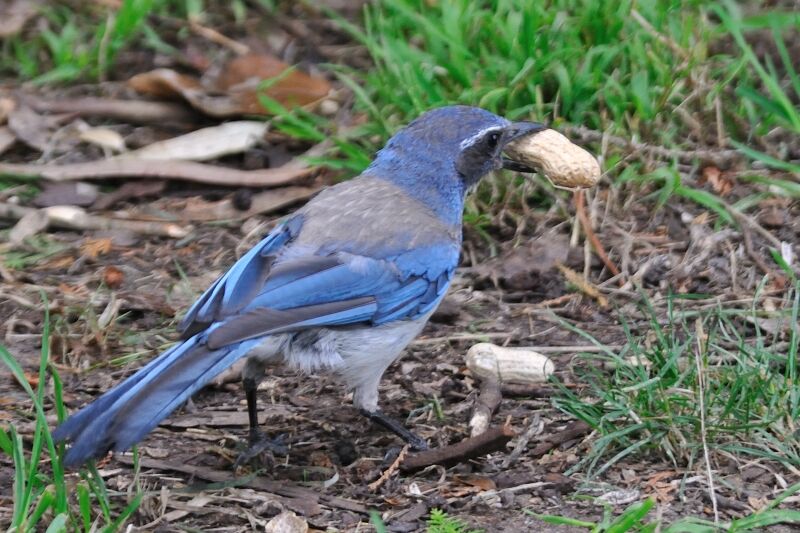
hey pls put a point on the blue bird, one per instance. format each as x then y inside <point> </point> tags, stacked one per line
<point>343,284</point>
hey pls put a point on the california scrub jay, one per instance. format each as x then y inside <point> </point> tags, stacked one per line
<point>343,284</point>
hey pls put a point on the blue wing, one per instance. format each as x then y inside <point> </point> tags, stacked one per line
<point>263,294</point>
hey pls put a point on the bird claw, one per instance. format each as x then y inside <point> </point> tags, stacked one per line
<point>259,444</point>
<point>415,442</point>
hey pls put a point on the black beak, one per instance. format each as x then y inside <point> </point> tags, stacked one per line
<point>515,131</point>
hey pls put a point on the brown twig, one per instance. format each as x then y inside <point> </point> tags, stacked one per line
<point>486,404</point>
<point>494,439</point>
<point>580,210</point>
<point>375,485</point>
<point>572,431</point>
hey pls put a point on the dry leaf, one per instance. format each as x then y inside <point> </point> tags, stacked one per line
<point>104,138</point>
<point>59,263</point>
<point>40,132</point>
<point>163,83</point>
<point>7,105</point>
<point>479,482</point>
<point>287,522</point>
<point>113,277</point>
<point>32,378</point>
<point>242,75</point>
<point>92,248</point>
<point>7,139</point>
<point>14,14</point>
<point>67,193</point>
<point>235,91</point>
<point>206,143</point>
<point>130,189</point>
<point>29,225</point>
<point>712,175</point>
<point>199,210</point>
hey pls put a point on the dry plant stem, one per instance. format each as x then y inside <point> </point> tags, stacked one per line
<point>375,485</point>
<point>580,210</point>
<point>700,350</point>
<point>572,431</point>
<point>495,439</point>
<point>751,252</point>
<point>583,284</point>
<point>131,111</point>
<point>718,157</point>
<point>75,218</point>
<point>486,404</point>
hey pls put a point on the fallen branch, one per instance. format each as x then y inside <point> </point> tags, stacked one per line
<point>573,430</point>
<point>71,217</point>
<point>486,404</point>
<point>175,170</point>
<point>495,439</point>
<point>130,111</point>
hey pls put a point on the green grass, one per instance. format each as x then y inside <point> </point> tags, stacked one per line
<point>626,68</point>
<point>635,519</point>
<point>82,42</point>
<point>438,522</point>
<point>45,496</point>
<point>572,62</point>
<point>650,400</point>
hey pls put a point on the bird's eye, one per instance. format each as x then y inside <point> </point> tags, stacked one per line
<point>492,139</point>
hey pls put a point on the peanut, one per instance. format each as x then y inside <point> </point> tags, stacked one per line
<point>509,365</point>
<point>562,162</point>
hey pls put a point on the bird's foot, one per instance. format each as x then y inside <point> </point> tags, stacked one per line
<point>415,442</point>
<point>262,448</point>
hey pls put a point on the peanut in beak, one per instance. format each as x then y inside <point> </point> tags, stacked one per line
<point>562,162</point>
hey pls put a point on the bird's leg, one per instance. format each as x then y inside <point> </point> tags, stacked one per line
<point>416,442</point>
<point>258,442</point>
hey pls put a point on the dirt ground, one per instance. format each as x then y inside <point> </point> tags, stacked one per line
<point>335,453</point>
<point>115,297</point>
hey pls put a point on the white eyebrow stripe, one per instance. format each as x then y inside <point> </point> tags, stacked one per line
<point>472,140</point>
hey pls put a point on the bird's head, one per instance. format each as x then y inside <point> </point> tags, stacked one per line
<point>444,152</point>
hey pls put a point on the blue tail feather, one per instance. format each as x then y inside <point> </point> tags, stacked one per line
<point>126,413</point>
